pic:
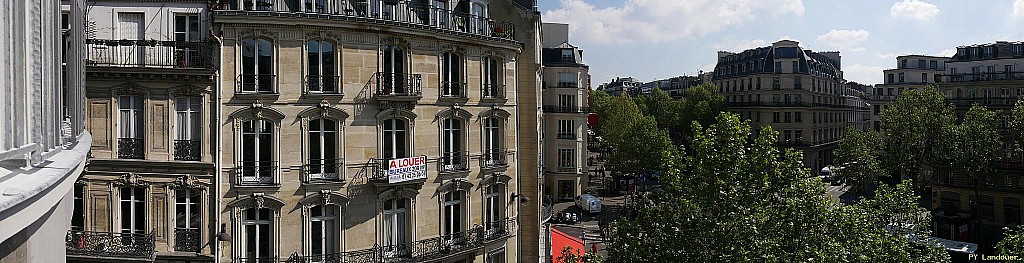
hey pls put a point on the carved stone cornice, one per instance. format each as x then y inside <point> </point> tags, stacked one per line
<point>130,180</point>
<point>189,90</point>
<point>187,182</point>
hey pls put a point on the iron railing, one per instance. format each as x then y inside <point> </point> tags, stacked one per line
<point>251,173</point>
<point>453,89</point>
<point>110,245</point>
<point>148,53</point>
<point>492,91</point>
<point>497,158</point>
<point>322,170</point>
<point>567,135</point>
<point>187,239</point>
<point>380,170</point>
<point>187,150</point>
<point>131,148</point>
<point>566,109</point>
<point>994,76</point>
<point>386,12</point>
<point>397,85</point>
<point>319,84</point>
<point>257,260</point>
<point>453,162</point>
<point>967,102</point>
<point>568,84</point>
<point>255,83</point>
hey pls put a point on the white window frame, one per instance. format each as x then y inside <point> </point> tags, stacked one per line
<point>324,132</point>
<point>189,202</point>
<point>133,202</point>
<point>396,223</point>
<point>492,138</point>
<point>567,127</point>
<point>566,158</point>
<point>256,88</point>
<point>329,237</point>
<point>492,77</point>
<point>454,208</point>
<point>267,225</point>
<point>494,208</point>
<point>132,117</point>
<point>187,111</point>
<point>452,142</point>
<point>393,135</point>
<point>258,130</point>
<point>451,80</point>
<point>320,66</point>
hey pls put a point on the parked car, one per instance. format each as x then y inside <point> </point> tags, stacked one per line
<point>588,203</point>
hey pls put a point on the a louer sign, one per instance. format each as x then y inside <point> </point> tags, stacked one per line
<point>407,169</point>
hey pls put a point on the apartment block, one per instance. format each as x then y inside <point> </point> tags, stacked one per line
<point>911,72</point>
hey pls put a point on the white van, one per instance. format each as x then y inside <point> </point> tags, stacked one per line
<point>588,203</point>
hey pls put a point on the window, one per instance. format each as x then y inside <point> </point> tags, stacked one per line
<point>259,5</point>
<point>130,140</point>
<point>778,67</point>
<point>567,102</point>
<point>901,77</point>
<point>1011,211</point>
<point>798,135</point>
<point>451,76</point>
<point>877,109</point>
<point>903,63</point>
<point>492,141</point>
<point>758,82</point>
<point>775,117</point>
<point>566,129</point>
<point>797,116</point>
<point>924,77</point>
<point>775,83</point>
<point>492,79</point>
<point>395,140</point>
<point>323,224</point>
<point>78,215</point>
<point>453,214</point>
<point>316,6</point>
<point>320,58</point>
<point>493,216</point>
<point>566,80</point>
<point>188,124</point>
<point>789,117</point>
<point>797,84</point>
<point>497,256</point>
<point>133,210</point>
<point>393,78</point>
<point>257,66</point>
<point>920,63</point>
<point>186,29</point>
<point>396,225</point>
<point>985,208</point>
<point>1018,50</point>
<point>566,158</point>
<point>451,146</point>
<point>933,64</point>
<point>258,163</point>
<point>796,67</point>
<point>257,225</point>
<point>323,161</point>
<point>188,219</point>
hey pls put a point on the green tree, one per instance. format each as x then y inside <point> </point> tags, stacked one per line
<point>859,152</point>
<point>1017,124</point>
<point>1013,243</point>
<point>970,147</point>
<point>631,135</point>
<point>746,200</point>
<point>568,256</point>
<point>913,127</point>
<point>701,104</point>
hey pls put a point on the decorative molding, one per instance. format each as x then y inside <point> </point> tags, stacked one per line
<point>395,113</point>
<point>453,48</point>
<point>189,90</point>
<point>494,112</point>
<point>257,111</point>
<point>404,105</point>
<point>324,110</point>
<point>394,41</point>
<point>131,180</point>
<point>187,181</point>
<point>325,197</point>
<point>398,192</point>
<point>257,200</point>
<point>495,178</point>
<point>455,185</point>
<point>129,88</point>
<point>495,53</point>
<point>455,111</point>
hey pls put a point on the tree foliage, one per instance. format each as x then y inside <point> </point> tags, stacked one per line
<point>1013,243</point>
<point>860,153</point>
<point>746,200</point>
<point>568,256</point>
<point>913,127</point>
<point>1017,124</point>
<point>970,147</point>
<point>632,134</point>
<point>702,104</point>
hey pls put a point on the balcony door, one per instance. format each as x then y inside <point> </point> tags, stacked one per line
<point>453,216</point>
<point>187,219</point>
<point>131,128</point>
<point>133,210</point>
<point>257,240</point>
<point>395,139</point>
<point>257,151</point>
<point>188,124</point>
<point>186,31</point>
<point>492,141</point>
<point>396,226</point>
<point>131,26</point>
<point>451,144</point>
<point>323,157</point>
<point>393,79</point>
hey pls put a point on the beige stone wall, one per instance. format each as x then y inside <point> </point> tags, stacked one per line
<point>359,59</point>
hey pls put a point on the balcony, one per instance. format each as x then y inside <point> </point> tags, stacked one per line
<point>565,168</point>
<point>492,91</point>
<point>975,77</point>
<point>567,135</point>
<point>255,84</point>
<point>453,90</point>
<point>494,159</point>
<point>148,54</point>
<point>379,167</point>
<point>453,162</point>
<point>187,150</point>
<point>409,14</point>
<point>107,245</point>
<point>131,148</point>
<point>566,109</point>
<point>568,84</point>
<point>397,86</point>
<point>323,171</point>
<point>325,85</point>
<point>187,240</point>
<point>256,173</point>
<point>883,97</point>
<point>988,102</point>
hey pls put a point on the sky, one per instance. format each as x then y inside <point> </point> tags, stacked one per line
<point>657,39</point>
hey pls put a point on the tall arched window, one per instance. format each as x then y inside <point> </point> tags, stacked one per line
<point>256,243</point>
<point>257,66</point>
<point>491,79</point>
<point>451,75</point>
<point>392,79</point>
<point>452,150</point>
<point>323,150</point>
<point>396,224</point>
<point>321,76</point>
<point>454,214</point>
<point>395,139</point>
<point>257,163</point>
<point>323,232</point>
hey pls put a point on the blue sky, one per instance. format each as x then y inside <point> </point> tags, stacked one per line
<point>654,39</point>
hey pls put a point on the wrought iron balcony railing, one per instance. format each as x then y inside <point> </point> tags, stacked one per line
<point>568,84</point>
<point>187,239</point>
<point>131,148</point>
<point>495,158</point>
<point>967,102</point>
<point>972,77</point>
<point>256,173</point>
<point>187,150</point>
<point>492,91</point>
<point>565,109</point>
<point>319,84</point>
<point>110,245</point>
<point>257,260</point>
<point>567,135</point>
<point>413,14</point>
<point>388,85</point>
<point>148,53</point>
<point>453,162</point>
<point>323,170</point>
<point>379,166</point>
<point>256,84</point>
<point>452,89</point>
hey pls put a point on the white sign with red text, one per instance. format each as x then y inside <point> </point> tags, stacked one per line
<point>407,169</point>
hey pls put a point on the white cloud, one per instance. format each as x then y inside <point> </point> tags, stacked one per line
<point>655,21</point>
<point>863,74</point>
<point>949,52</point>
<point>741,45</point>
<point>1018,7</point>
<point>844,39</point>
<point>915,9</point>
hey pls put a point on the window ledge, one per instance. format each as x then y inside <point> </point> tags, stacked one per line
<point>248,95</point>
